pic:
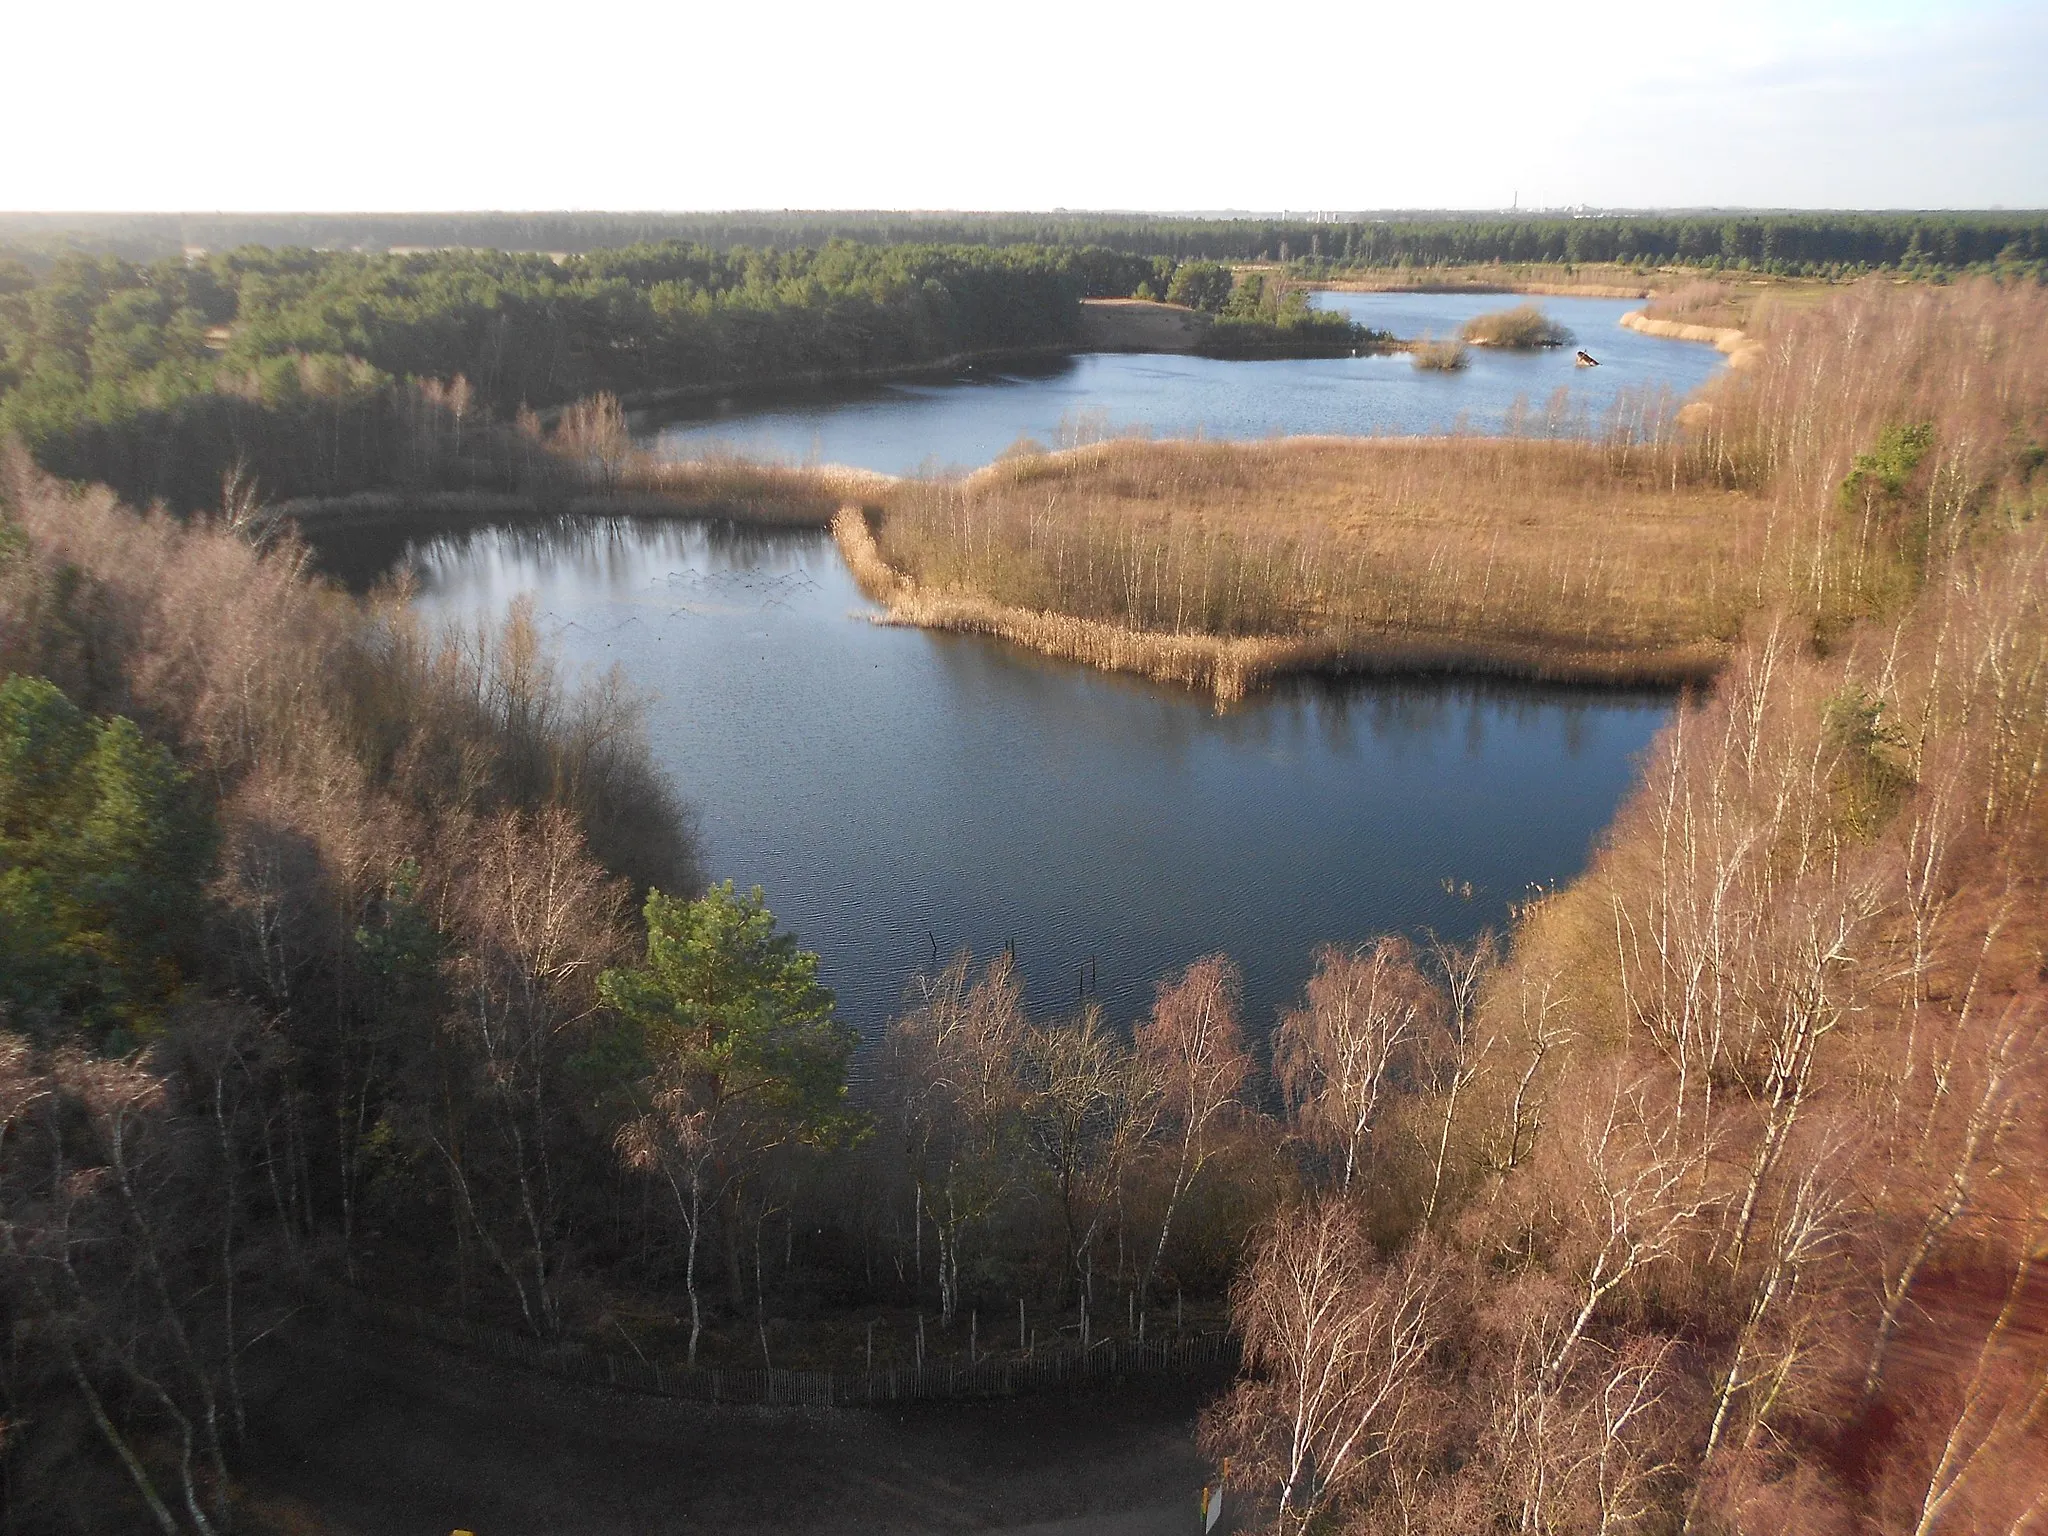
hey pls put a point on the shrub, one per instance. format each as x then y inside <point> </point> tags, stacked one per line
<point>1440,356</point>
<point>1523,328</point>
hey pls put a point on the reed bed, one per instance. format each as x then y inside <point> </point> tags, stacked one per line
<point>1720,306</point>
<point>1439,356</point>
<point>1634,553</point>
<point>1225,564</point>
<point>1742,303</point>
<point>744,489</point>
<point>1523,329</point>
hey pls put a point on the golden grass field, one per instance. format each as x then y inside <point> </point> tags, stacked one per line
<point>1222,564</point>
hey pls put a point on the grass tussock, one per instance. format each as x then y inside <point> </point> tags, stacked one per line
<point>1523,329</point>
<point>1440,356</point>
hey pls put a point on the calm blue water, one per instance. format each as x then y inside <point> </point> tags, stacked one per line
<point>898,793</point>
<point>967,421</point>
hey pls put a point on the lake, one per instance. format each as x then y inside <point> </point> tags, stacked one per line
<point>969,418</point>
<point>900,794</point>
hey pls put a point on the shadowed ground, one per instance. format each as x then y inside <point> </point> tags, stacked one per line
<point>364,1434</point>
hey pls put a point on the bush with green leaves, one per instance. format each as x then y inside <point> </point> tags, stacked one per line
<point>1203,285</point>
<point>104,855</point>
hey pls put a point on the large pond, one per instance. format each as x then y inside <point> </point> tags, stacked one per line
<point>901,794</point>
<point>968,419</point>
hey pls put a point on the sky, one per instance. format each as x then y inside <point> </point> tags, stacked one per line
<point>639,104</point>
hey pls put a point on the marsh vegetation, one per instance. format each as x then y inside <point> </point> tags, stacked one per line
<point>1522,554</point>
<point>1440,356</point>
<point>1636,553</point>
<point>1521,329</point>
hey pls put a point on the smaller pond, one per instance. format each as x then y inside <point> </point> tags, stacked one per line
<point>969,419</point>
<point>899,794</point>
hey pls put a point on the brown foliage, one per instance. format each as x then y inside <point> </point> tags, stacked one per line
<point>411,890</point>
<point>1340,1399</point>
<point>1751,1163</point>
<point>1338,1059</point>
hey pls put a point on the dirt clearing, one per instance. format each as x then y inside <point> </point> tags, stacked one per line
<point>364,1434</point>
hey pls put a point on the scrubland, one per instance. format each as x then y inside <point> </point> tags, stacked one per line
<point>1746,1223</point>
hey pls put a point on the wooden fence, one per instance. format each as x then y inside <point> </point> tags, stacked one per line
<point>1051,1367</point>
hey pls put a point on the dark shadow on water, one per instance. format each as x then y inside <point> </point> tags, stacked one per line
<point>744,401</point>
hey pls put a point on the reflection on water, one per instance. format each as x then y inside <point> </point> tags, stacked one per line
<point>969,419</point>
<point>898,793</point>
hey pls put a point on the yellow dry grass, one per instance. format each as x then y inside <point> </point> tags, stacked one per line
<point>1224,564</point>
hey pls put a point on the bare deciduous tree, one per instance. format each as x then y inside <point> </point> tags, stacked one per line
<point>1336,1058</point>
<point>1192,1047</point>
<point>1337,1348</point>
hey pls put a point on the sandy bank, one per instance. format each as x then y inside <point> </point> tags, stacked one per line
<point>1741,350</point>
<point>1482,285</point>
<point>1139,325</point>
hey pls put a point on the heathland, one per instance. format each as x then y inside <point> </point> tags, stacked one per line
<point>344,955</point>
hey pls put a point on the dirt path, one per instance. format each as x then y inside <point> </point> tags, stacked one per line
<point>363,1435</point>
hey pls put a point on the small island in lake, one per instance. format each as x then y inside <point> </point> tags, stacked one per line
<point>1521,329</point>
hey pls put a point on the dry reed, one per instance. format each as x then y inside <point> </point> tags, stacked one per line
<point>1523,328</point>
<point>1631,555</point>
<point>1556,559</point>
<point>1439,356</point>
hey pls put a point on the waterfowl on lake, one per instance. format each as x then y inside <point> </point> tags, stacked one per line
<point>1587,359</point>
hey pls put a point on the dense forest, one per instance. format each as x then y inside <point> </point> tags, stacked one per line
<point>1800,243</point>
<point>322,373</point>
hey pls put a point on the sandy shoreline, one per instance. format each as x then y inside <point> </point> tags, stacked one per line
<point>1544,289</point>
<point>1739,348</point>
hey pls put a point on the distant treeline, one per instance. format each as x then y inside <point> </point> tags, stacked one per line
<point>1791,244</point>
<point>1797,243</point>
<point>158,378</point>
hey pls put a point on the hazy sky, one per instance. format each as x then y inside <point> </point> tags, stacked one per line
<point>423,104</point>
